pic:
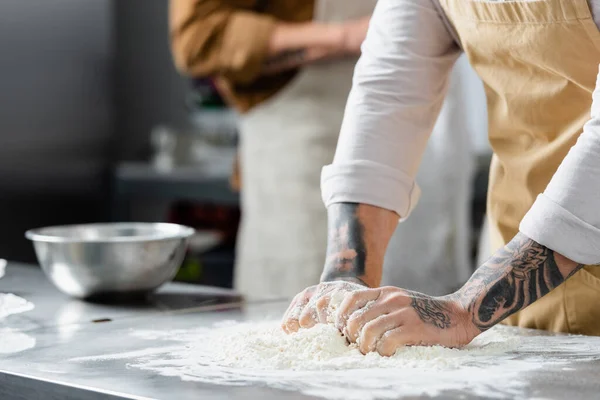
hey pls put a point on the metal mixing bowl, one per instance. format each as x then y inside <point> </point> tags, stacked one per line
<point>97,260</point>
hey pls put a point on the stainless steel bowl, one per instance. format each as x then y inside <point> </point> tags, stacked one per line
<point>93,260</point>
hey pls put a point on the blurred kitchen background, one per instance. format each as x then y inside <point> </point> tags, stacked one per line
<point>96,125</point>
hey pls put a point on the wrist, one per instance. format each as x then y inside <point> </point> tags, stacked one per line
<point>467,330</point>
<point>335,272</point>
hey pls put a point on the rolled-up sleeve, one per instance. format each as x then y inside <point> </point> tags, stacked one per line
<point>210,37</point>
<point>566,217</point>
<point>399,86</point>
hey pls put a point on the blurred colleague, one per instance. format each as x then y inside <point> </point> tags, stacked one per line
<point>287,67</point>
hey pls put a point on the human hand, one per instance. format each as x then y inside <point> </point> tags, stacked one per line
<point>316,304</point>
<point>385,319</point>
<point>354,34</point>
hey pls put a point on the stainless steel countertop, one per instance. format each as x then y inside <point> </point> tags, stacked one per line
<point>52,308</point>
<point>62,330</point>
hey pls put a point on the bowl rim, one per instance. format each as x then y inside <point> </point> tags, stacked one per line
<point>174,231</point>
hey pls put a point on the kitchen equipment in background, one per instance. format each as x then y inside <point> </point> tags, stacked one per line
<point>210,116</point>
<point>109,261</point>
<point>164,143</point>
<point>188,175</point>
<point>209,155</point>
<point>209,141</point>
<point>211,266</point>
<point>204,241</point>
<point>204,95</point>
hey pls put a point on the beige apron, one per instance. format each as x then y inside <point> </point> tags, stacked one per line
<point>539,62</point>
<point>285,142</point>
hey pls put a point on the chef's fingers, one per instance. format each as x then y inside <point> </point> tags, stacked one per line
<point>309,316</point>
<point>319,301</point>
<point>292,323</point>
<point>395,339</point>
<point>286,315</point>
<point>322,308</point>
<point>374,330</point>
<point>359,318</point>
<point>353,302</point>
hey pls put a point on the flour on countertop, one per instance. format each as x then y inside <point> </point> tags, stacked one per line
<point>264,346</point>
<point>12,341</point>
<point>318,361</point>
<point>11,304</point>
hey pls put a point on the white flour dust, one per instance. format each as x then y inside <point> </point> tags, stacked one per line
<point>11,304</point>
<point>318,362</point>
<point>12,341</point>
<point>265,347</point>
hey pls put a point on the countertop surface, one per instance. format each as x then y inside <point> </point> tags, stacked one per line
<point>51,340</point>
<point>52,308</point>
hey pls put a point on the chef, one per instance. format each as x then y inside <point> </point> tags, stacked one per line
<point>287,66</point>
<point>539,64</point>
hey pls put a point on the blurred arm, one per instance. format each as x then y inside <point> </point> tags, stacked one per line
<point>211,37</point>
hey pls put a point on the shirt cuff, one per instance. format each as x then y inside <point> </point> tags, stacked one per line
<point>556,228</point>
<point>367,182</point>
<point>245,45</point>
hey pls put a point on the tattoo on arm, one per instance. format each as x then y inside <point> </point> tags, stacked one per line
<point>284,61</point>
<point>516,276</point>
<point>346,249</point>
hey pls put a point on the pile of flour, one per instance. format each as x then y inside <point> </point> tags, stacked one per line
<point>319,362</point>
<point>13,341</point>
<point>264,346</point>
<point>11,304</point>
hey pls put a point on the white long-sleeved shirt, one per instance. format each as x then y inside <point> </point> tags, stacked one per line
<point>401,80</point>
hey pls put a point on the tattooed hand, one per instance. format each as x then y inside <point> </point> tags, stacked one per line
<point>358,236</point>
<point>388,318</point>
<point>312,306</point>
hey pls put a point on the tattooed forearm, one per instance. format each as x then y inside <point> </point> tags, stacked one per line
<point>346,249</point>
<point>512,279</point>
